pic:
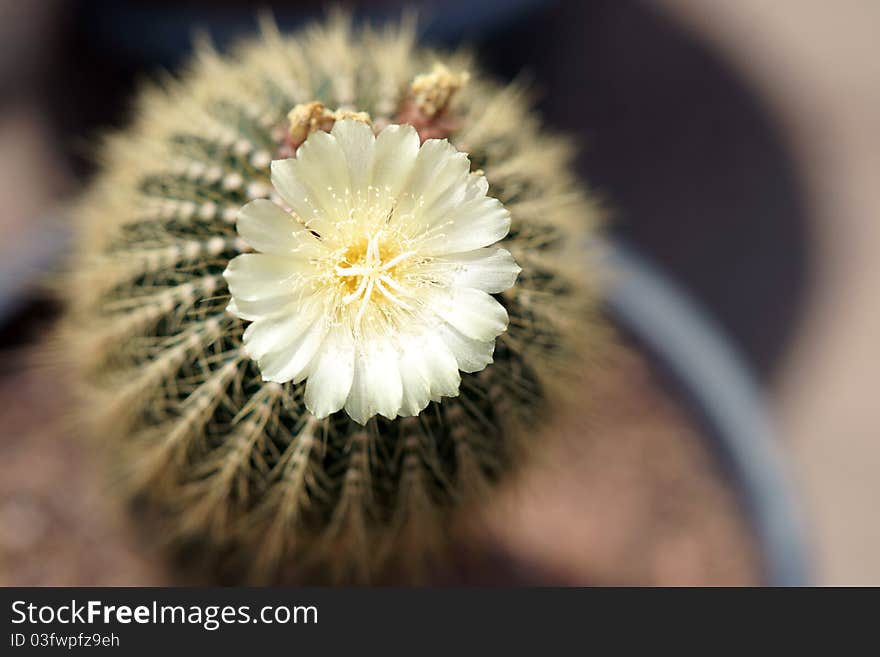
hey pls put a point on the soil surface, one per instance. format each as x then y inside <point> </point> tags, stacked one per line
<point>627,493</point>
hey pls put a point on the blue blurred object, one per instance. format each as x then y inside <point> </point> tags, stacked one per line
<point>691,349</point>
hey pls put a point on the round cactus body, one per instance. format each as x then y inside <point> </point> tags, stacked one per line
<point>234,458</point>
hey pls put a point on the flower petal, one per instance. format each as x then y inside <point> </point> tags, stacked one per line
<point>437,166</point>
<point>476,221</point>
<point>414,380</point>
<point>428,370</point>
<point>329,382</point>
<point>267,334</point>
<point>394,155</point>
<point>377,386</point>
<point>442,367</point>
<point>490,270</point>
<point>268,228</point>
<point>270,307</point>
<point>473,312</point>
<point>356,140</point>
<point>437,183</point>
<point>474,224</point>
<point>291,360</point>
<point>294,192</point>
<point>316,183</point>
<point>253,276</point>
<point>471,355</point>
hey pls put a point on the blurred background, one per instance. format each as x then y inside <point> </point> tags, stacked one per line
<point>736,145</point>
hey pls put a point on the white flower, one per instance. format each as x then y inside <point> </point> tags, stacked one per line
<point>376,287</point>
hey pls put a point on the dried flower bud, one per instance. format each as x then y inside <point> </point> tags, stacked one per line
<point>432,92</point>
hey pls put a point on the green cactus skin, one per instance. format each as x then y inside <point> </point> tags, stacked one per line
<point>235,466</point>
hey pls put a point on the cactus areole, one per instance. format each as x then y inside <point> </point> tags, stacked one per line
<point>328,288</point>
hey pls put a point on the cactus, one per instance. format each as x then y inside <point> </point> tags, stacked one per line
<point>235,466</point>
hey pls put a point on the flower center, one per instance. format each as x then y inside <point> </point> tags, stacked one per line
<point>371,276</point>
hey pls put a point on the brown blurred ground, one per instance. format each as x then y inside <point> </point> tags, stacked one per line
<point>59,525</point>
<point>629,495</point>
